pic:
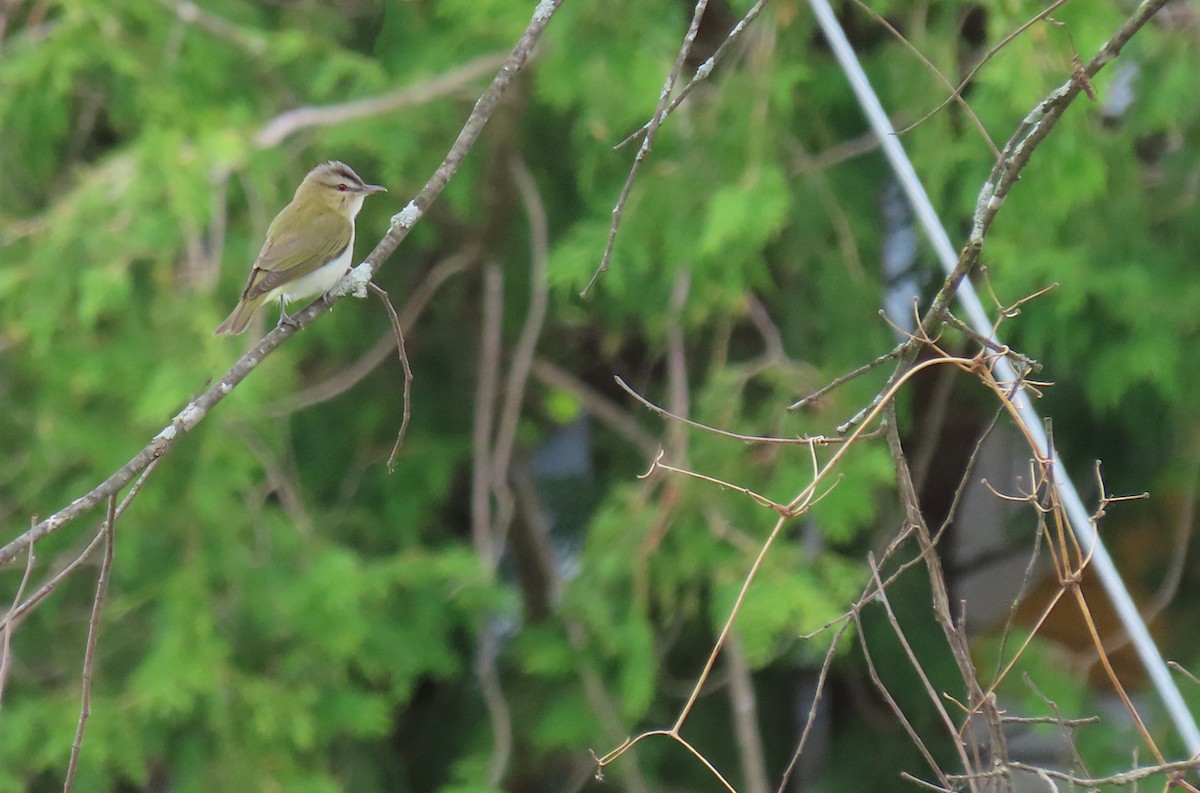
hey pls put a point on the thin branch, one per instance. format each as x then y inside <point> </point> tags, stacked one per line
<point>812,440</point>
<point>9,625</point>
<point>192,14</point>
<point>843,379</point>
<point>451,82</point>
<point>895,707</point>
<point>408,376</point>
<point>647,142</point>
<point>955,94</point>
<point>757,498</point>
<point>487,383</point>
<point>952,731</point>
<point>1058,720</point>
<point>955,635</point>
<point>677,379</point>
<point>1179,668</point>
<point>89,655</point>
<point>401,226</point>
<point>522,356</point>
<point>497,704</point>
<point>812,711</point>
<point>745,718</point>
<point>595,404</point>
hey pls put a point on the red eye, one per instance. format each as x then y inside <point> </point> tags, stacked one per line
<point>342,188</point>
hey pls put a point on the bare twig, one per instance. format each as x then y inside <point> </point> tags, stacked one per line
<point>647,142</point>
<point>497,704</point>
<point>956,637</point>
<point>408,376</point>
<point>745,718</point>
<point>813,440</point>
<point>89,655</point>
<point>930,691</point>
<point>913,735</point>
<point>522,356</point>
<point>955,94</point>
<point>757,498</point>
<point>595,404</point>
<point>487,384</point>
<point>451,82</point>
<point>677,379</point>
<point>843,379</point>
<point>812,711</point>
<point>192,14</point>
<point>9,625</point>
<point>1179,668</point>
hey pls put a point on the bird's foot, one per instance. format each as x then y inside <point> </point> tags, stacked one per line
<point>285,319</point>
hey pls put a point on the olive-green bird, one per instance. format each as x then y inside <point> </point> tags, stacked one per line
<point>309,244</point>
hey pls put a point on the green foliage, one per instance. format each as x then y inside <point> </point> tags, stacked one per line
<point>286,615</point>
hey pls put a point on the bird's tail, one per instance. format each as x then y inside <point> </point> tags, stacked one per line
<point>237,321</point>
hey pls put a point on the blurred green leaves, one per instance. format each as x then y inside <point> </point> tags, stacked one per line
<point>284,614</point>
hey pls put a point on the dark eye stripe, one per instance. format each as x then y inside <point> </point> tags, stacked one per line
<point>342,171</point>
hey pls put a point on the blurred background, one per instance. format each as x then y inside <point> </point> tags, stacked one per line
<point>285,614</point>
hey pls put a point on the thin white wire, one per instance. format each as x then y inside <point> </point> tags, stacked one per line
<point>1080,519</point>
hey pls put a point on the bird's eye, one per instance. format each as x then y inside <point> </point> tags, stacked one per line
<point>342,188</point>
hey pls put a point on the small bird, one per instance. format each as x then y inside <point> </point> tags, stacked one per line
<point>309,244</point>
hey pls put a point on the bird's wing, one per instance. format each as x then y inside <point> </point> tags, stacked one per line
<point>280,262</point>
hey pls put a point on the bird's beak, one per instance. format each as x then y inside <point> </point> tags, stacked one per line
<point>374,188</point>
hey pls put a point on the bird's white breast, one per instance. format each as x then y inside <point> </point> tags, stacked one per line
<point>319,281</point>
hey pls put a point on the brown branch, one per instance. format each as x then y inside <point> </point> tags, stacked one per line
<point>453,81</point>
<point>955,94</point>
<point>956,637</point>
<point>408,376</point>
<point>813,440</point>
<point>1015,156</point>
<point>497,704</point>
<point>812,711</point>
<point>953,732</point>
<point>895,706</point>
<point>843,379</point>
<point>89,655</point>
<point>487,383</point>
<point>595,404</point>
<point>402,225</point>
<point>745,717</point>
<point>522,356</point>
<point>677,379</point>
<point>6,648</point>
